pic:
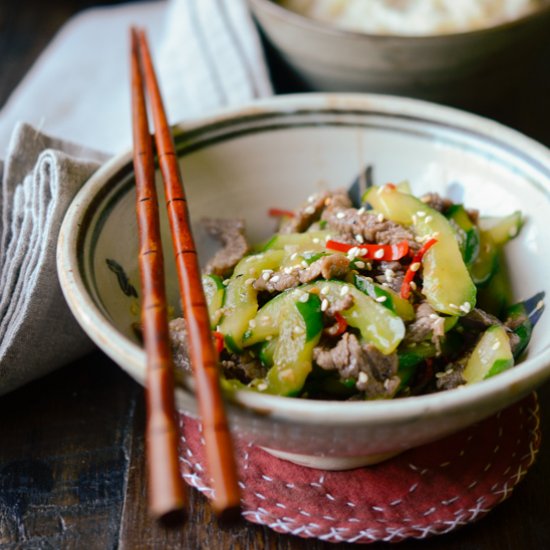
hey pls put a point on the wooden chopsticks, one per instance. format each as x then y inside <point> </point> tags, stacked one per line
<point>161,432</point>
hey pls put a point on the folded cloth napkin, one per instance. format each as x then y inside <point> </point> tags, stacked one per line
<point>208,55</point>
<point>40,177</point>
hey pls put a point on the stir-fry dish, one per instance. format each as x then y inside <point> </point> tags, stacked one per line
<point>395,296</point>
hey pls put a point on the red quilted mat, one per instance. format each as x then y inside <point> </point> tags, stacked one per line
<point>426,491</point>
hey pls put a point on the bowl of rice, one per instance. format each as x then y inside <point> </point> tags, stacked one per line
<point>440,50</point>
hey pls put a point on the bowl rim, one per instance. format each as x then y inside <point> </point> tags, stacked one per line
<point>132,358</point>
<point>309,24</point>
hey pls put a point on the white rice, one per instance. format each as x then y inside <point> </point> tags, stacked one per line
<point>413,17</point>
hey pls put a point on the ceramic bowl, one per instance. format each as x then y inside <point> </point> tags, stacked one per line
<point>276,153</point>
<point>466,69</point>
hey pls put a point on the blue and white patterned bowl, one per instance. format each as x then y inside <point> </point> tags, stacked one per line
<point>275,153</point>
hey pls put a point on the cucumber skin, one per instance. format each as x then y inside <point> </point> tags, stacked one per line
<point>486,360</point>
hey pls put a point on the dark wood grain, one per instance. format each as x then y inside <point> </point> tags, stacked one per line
<point>72,470</point>
<point>63,456</point>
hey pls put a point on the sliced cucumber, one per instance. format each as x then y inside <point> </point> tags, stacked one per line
<point>377,324</point>
<point>214,291</point>
<point>447,284</point>
<point>502,229</point>
<point>494,234</point>
<point>297,242</point>
<point>496,295</point>
<point>467,232</point>
<point>485,265</point>
<point>391,300</point>
<point>241,298</point>
<point>294,320</point>
<point>295,331</point>
<point>491,356</point>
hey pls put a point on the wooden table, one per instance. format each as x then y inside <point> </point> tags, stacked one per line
<point>71,444</point>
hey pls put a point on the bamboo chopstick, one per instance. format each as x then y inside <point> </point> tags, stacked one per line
<point>204,360</point>
<point>166,492</point>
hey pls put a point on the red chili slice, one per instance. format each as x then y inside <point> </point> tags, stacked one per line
<point>218,341</point>
<point>373,251</point>
<point>280,213</point>
<point>409,275</point>
<point>341,324</point>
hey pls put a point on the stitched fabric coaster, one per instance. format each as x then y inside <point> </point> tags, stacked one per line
<point>426,491</point>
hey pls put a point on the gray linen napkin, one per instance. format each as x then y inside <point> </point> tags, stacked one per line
<point>40,177</point>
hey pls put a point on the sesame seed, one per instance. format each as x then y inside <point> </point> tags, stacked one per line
<point>304,298</point>
<point>252,323</point>
<point>495,346</point>
<point>265,276</point>
<point>466,307</point>
<point>363,378</point>
<point>249,281</point>
<point>381,299</point>
<point>453,306</point>
<point>380,217</point>
<point>265,320</point>
<point>359,264</point>
<point>274,279</point>
<point>421,214</point>
<point>413,285</point>
<point>379,254</point>
<point>294,256</point>
<point>325,290</point>
<point>344,290</point>
<point>312,197</point>
<point>434,316</point>
<point>309,209</point>
<point>425,198</point>
<point>428,219</point>
<point>225,282</point>
<point>387,383</point>
<point>315,240</point>
<point>389,274</point>
<point>303,263</point>
<point>324,304</point>
<point>540,304</point>
<point>340,215</point>
<point>361,210</point>
<point>262,386</point>
<point>414,218</point>
<point>415,266</point>
<point>359,238</point>
<point>298,330</point>
<point>288,270</point>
